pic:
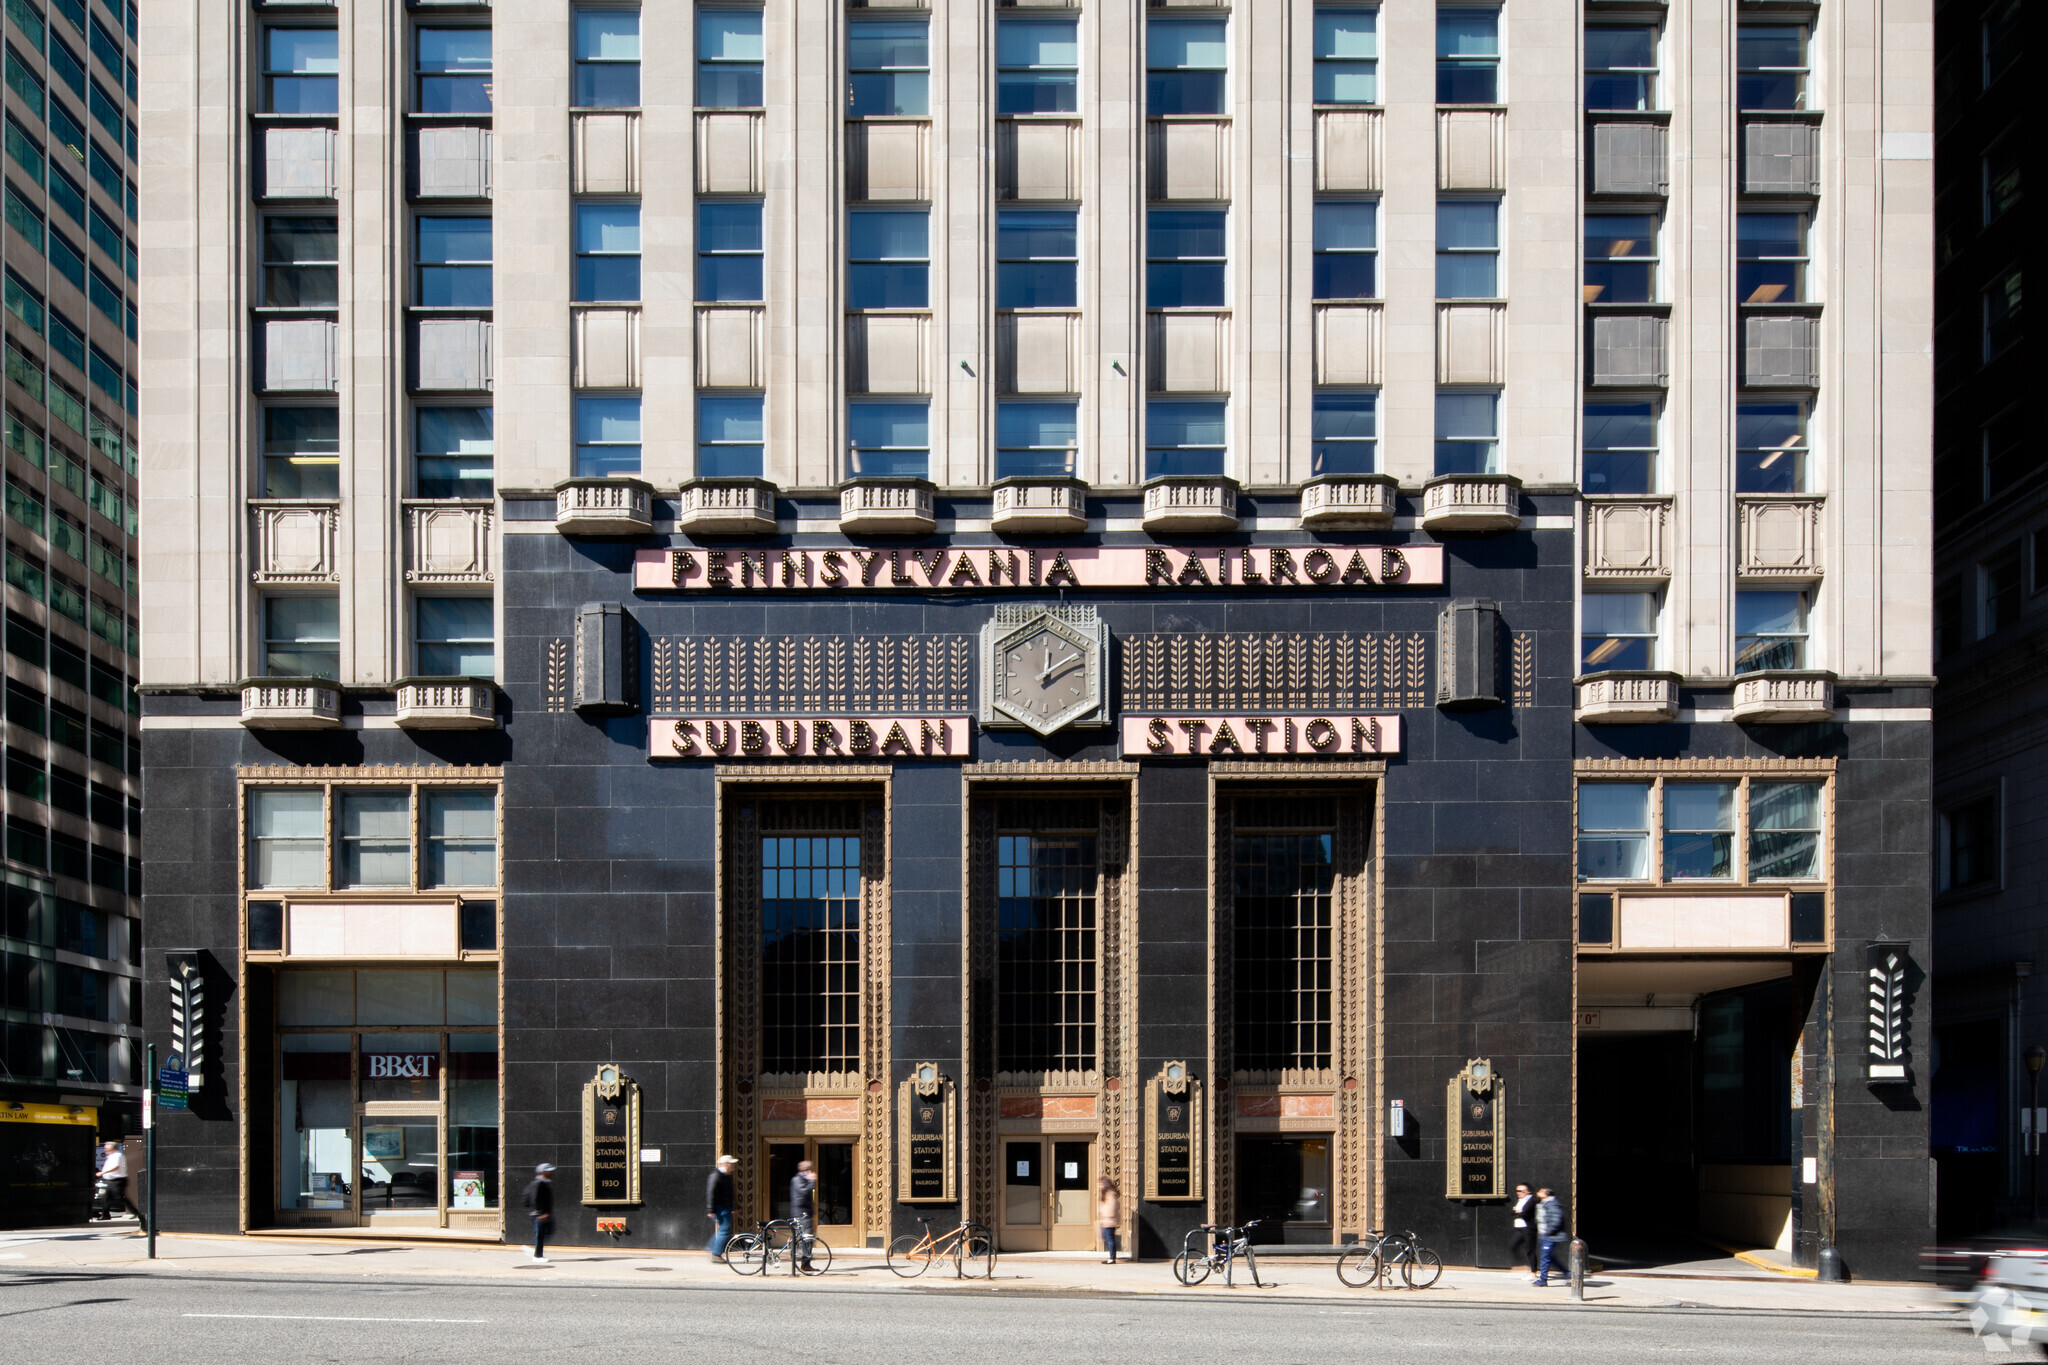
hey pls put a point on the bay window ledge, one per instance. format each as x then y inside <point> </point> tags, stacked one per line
<point>1039,505</point>
<point>1472,502</point>
<point>604,507</point>
<point>291,704</point>
<point>1190,503</point>
<point>1627,698</point>
<point>1784,697</point>
<point>1348,501</point>
<point>726,507</point>
<point>447,704</point>
<point>887,507</point>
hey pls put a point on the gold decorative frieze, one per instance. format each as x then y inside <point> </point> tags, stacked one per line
<point>1263,673</point>
<point>832,674</point>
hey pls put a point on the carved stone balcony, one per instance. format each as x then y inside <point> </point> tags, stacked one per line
<point>1627,698</point>
<point>726,507</point>
<point>1348,502</point>
<point>1784,697</point>
<point>887,507</point>
<point>449,542</point>
<point>295,540</point>
<point>1778,537</point>
<point>447,704</point>
<point>604,507</point>
<point>1628,539</point>
<point>1177,503</point>
<point>1472,502</point>
<point>291,704</point>
<point>1044,505</point>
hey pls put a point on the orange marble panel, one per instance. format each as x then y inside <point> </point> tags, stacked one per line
<point>788,1107</point>
<point>1308,1106</point>
<point>1047,1107</point>
<point>1258,1106</point>
<point>848,1108</point>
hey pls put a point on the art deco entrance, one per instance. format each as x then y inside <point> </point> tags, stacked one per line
<point>1048,1199</point>
<point>837,1164</point>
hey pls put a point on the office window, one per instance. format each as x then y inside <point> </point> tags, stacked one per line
<point>729,436</point>
<point>2007,456</point>
<point>1187,66</point>
<point>1699,830</point>
<point>1346,248</point>
<point>1037,259</point>
<point>888,67</point>
<point>1950,634</point>
<point>1468,433</point>
<point>1468,249</point>
<point>374,831</point>
<point>729,55</point>
<point>1346,56</point>
<point>301,453</point>
<point>301,71</point>
<point>1620,453</point>
<point>1770,257</point>
<point>287,837</point>
<point>1184,257</point>
<point>728,251</point>
<point>2002,170</point>
<point>1998,591</point>
<point>300,262</point>
<point>301,637</point>
<point>454,262</point>
<point>1344,433</point>
<point>1770,447</point>
<point>1038,65</point>
<point>454,70</point>
<point>1036,438</point>
<point>888,258</point>
<point>1185,438</point>
<point>1468,56</point>
<point>462,838</point>
<point>25,150</point>
<point>608,59</point>
<point>1771,70</point>
<point>1621,66</point>
<point>452,453</point>
<point>1284,883</point>
<point>607,434</point>
<point>889,440</point>
<point>1617,630</point>
<point>1784,830</point>
<point>1770,630</point>
<point>1614,831</point>
<point>454,637</point>
<point>1970,840</point>
<point>607,253</point>
<point>2002,314</point>
<point>1621,257</point>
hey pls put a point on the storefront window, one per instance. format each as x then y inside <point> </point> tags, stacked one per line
<point>401,1066</point>
<point>319,1111</point>
<point>401,997</point>
<point>472,1119</point>
<point>316,998</point>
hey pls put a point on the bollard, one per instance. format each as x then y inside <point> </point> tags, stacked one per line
<point>1578,1268</point>
<point>1830,1271</point>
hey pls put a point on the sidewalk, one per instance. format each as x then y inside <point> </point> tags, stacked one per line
<point>1704,1285</point>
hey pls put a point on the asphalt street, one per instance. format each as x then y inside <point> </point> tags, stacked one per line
<point>167,1320</point>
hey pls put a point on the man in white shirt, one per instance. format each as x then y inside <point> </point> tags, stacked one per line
<point>1523,1246</point>
<point>114,1170</point>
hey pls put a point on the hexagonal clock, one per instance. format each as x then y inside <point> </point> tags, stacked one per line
<point>1044,668</point>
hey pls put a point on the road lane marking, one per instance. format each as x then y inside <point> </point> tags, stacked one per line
<point>309,1317</point>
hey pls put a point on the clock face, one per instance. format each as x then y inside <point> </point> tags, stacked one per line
<point>1045,675</point>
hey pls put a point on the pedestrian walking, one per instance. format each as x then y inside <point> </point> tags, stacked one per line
<point>539,1200</point>
<point>1522,1247</point>
<point>1108,1213</point>
<point>1549,1231</point>
<point>803,1209</point>
<point>718,1205</point>
<point>114,1170</point>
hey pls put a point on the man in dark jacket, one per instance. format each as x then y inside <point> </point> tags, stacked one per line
<point>803,1209</point>
<point>1549,1231</point>
<point>718,1204</point>
<point>539,1200</point>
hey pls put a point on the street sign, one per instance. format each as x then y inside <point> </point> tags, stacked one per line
<point>171,1088</point>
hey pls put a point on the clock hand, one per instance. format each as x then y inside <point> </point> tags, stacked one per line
<point>1051,668</point>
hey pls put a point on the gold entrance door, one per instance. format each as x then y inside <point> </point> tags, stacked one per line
<point>1048,1194</point>
<point>837,1162</point>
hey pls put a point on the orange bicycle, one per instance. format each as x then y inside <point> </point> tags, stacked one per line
<point>971,1247</point>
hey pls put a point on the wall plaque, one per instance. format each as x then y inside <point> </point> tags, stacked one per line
<point>611,1138</point>
<point>925,1170</point>
<point>1173,1135</point>
<point>1474,1156</point>
<point>1253,568</point>
<point>1297,736</point>
<point>754,738</point>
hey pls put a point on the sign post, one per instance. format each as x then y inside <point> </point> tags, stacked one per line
<point>149,1133</point>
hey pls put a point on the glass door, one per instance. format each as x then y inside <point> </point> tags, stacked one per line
<point>837,1166</point>
<point>399,1152</point>
<point>1073,1195</point>
<point>1023,1215</point>
<point>1048,1195</point>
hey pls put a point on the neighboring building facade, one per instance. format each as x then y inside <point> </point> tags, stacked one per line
<point>1991,565</point>
<point>986,597</point>
<point>70,937</point>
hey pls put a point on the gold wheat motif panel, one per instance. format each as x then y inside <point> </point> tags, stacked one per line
<point>833,674</point>
<point>1255,672</point>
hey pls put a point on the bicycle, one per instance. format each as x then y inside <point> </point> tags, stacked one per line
<point>1226,1244</point>
<point>1373,1262</point>
<point>756,1253</point>
<point>971,1245</point>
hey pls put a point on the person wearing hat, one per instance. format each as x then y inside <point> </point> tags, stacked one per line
<point>718,1205</point>
<point>539,1200</point>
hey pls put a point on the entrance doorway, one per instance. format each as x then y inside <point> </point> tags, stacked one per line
<point>1285,1183</point>
<point>400,1158</point>
<point>1048,1201</point>
<point>837,1165</point>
